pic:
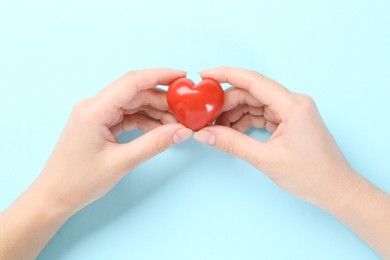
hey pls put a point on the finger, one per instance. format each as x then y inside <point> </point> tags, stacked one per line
<point>270,116</point>
<point>122,91</point>
<point>131,111</point>
<point>248,121</point>
<point>151,97</point>
<point>163,116</point>
<point>151,143</point>
<point>264,89</point>
<point>233,142</point>
<point>231,116</point>
<point>236,96</point>
<point>135,121</point>
<point>270,126</point>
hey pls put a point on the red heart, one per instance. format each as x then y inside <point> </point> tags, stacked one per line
<point>195,106</point>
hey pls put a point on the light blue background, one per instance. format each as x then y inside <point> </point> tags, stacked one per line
<point>193,202</point>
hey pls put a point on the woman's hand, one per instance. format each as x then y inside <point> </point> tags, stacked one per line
<point>88,160</point>
<point>301,156</point>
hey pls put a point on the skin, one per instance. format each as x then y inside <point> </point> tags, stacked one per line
<point>301,155</point>
<point>88,161</point>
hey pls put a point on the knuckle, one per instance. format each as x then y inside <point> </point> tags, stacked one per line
<point>138,77</point>
<point>159,145</point>
<point>80,107</point>
<point>304,107</point>
<point>305,103</point>
<point>83,110</point>
<point>132,76</point>
<point>167,118</point>
<point>228,145</point>
<point>234,92</point>
<point>164,118</point>
<point>225,68</point>
<point>253,74</point>
<point>308,100</point>
<point>131,73</point>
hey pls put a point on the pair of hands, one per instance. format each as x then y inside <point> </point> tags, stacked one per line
<point>301,155</point>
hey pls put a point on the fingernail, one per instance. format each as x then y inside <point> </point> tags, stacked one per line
<point>205,137</point>
<point>181,135</point>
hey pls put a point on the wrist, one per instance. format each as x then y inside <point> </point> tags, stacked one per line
<point>351,197</point>
<point>365,209</point>
<point>29,223</point>
<point>48,204</point>
<point>345,187</point>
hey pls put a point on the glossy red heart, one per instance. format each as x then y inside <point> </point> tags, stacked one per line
<point>195,106</point>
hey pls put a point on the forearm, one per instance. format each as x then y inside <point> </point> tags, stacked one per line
<point>365,209</point>
<point>29,223</point>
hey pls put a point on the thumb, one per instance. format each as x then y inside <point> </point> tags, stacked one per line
<point>233,142</point>
<point>152,143</point>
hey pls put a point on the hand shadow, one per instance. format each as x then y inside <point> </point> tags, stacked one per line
<point>133,189</point>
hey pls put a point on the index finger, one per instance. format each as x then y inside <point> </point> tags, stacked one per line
<point>266,90</point>
<point>123,90</point>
